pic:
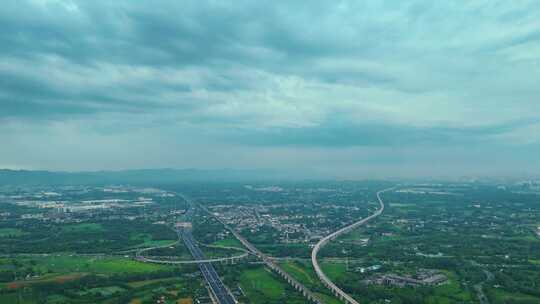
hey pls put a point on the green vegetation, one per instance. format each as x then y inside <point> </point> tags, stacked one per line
<point>498,296</point>
<point>10,232</point>
<point>450,292</point>
<point>138,284</point>
<point>89,237</point>
<point>84,227</point>
<point>229,242</point>
<point>145,240</point>
<point>328,299</point>
<point>53,265</point>
<point>478,235</point>
<point>261,286</point>
<point>334,271</point>
<point>305,274</point>
<point>108,265</point>
<point>17,298</point>
<point>57,299</point>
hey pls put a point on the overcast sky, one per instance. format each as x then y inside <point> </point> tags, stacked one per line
<point>348,88</point>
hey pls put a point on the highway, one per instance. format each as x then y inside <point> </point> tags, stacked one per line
<point>270,263</point>
<point>167,260</point>
<point>322,276</point>
<point>220,292</point>
<point>160,260</point>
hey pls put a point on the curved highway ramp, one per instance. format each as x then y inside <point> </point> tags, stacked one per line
<point>322,276</point>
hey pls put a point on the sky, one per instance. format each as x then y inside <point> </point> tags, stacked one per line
<point>348,89</point>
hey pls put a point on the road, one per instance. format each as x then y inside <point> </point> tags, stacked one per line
<point>163,260</point>
<point>270,263</point>
<point>231,259</point>
<point>220,292</point>
<point>322,276</point>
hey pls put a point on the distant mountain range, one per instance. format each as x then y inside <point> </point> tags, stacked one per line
<point>155,176</point>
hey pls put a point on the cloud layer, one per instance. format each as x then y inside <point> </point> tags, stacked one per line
<point>279,84</point>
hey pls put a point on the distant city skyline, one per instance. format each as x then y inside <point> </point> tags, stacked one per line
<point>349,89</point>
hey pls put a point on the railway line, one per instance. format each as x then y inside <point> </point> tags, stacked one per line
<point>270,263</point>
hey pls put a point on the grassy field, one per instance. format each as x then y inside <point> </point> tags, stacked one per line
<point>260,284</point>
<point>154,243</point>
<point>328,299</point>
<point>230,242</point>
<point>57,299</point>
<point>98,265</point>
<point>49,278</point>
<point>502,296</point>
<point>10,232</point>
<point>116,265</point>
<point>147,241</point>
<point>84,227</point>
<point>300,271</point>
<point>17,298</point>
<point>173,288</point>
<point>536,262</point>
<point>334,270</point>
<point>139,284</point>
<point>63,268</point>
<point>305,274</point>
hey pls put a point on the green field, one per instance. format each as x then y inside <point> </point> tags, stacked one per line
<point>17,298</point>
<point>230,242</point>
<point>334,270</point>
<point>10,232</point>
<point>84,227</point>
<point>156,243</point>
<point>147,241</point>
<point>109,291</point>
<point>502,296</point>
<point>98,265</point>
<point>328,299</point>
<point>138,284</point>
<point>260,284</point>
<point>57,299</point>
<point>305,274</point>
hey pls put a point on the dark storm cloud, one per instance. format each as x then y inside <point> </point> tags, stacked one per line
<point>319,41</point>
<point>173,34</point>
<point>272,74</point>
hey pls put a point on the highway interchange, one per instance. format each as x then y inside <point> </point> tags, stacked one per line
<point>322,276</point>
<point>222,294</point>
<point>219,290</point>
